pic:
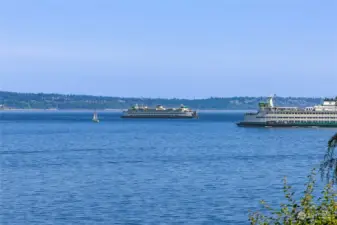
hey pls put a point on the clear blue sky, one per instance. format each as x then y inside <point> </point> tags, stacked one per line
<point>172,48</point>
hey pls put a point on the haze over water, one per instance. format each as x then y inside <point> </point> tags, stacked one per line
<point>60,168</point>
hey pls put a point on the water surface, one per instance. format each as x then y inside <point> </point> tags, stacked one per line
<point>60,168</point>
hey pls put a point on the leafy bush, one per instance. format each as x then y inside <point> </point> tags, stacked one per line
<point>329,165</point>
<point>308,210</point>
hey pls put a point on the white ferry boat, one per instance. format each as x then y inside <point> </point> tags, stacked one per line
<point>159,112</point>
<point>268,115</point>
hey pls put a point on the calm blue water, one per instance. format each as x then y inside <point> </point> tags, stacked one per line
<point>59,168</point>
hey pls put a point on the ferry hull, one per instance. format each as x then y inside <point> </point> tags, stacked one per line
<point>159,113</point>
<point>268,115</point>
<point>256,124</point>
<point>157,117</point>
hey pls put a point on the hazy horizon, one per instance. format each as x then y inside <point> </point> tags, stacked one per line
<point>149,97</point>
<point>175,49</point>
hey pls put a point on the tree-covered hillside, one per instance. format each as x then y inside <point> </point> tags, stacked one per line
<point>13,100</point>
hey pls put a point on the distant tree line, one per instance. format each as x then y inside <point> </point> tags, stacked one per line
<point>58,101</point>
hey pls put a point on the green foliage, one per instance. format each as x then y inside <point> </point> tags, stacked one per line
<point>328,167</point>
<point>307,210</point>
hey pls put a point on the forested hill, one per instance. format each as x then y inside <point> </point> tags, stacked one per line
<point>13,100</point>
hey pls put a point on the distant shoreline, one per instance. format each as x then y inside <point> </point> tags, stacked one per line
<point>61,110</point>
<point>113,110</point>
<point>14,101</point>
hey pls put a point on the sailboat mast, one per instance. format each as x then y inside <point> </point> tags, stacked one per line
<point>95,117</point>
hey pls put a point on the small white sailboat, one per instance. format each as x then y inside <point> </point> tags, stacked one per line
<point>95,118</point>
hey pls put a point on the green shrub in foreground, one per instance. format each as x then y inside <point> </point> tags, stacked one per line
<point>308,210</point>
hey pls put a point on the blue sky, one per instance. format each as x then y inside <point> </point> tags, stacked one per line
<point>170,48</point>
